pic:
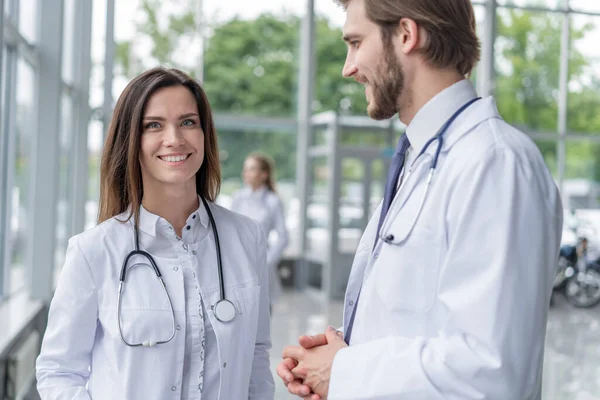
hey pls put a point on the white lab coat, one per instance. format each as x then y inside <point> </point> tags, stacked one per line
<point>458,309</point>
<point>266,208</point>
<point>82,354</point>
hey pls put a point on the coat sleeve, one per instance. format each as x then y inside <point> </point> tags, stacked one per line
<point>275,252</point>
<point>262,386</point>
<point>504,228</point>
<point>63,366</point>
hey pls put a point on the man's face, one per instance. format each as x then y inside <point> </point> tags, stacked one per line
<point>372,62</point>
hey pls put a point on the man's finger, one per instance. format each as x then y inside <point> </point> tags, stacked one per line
<point>295,352</point>
<point>333,336</point>
<point>298,389</point>
<point>313,396</point>
<point>308,342</point>
<point>284,370</point>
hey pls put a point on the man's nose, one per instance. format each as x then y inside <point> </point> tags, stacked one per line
<point>349,67</point>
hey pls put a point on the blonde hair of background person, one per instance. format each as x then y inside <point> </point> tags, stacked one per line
<point>159,169</point>
<point>449,289</point>
<point>259,200</point>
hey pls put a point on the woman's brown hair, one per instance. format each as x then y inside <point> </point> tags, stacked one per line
<point>267,165</point>
<point>120,171</point>
<point>450,25</point>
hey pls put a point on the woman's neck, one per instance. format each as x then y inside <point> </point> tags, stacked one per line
<point>174,205</point>
<point>258,187</point>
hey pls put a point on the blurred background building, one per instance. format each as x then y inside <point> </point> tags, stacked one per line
<point>272,71</point>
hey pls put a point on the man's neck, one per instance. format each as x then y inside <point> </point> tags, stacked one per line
<point>426,85</point>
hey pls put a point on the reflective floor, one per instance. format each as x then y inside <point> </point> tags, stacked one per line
<point>572,362</point>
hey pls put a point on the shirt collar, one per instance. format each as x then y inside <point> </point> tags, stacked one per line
<point>258,193</point>
<point>430,118</point>
<point>149,221</point>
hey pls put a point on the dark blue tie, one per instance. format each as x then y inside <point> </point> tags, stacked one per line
<point>390,191</point>
<point>392,178</point>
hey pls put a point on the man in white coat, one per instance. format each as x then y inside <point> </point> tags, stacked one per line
<point>449,290</point>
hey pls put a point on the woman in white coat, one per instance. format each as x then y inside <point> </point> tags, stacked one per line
<point>259,200</point>
<point>159,177</point>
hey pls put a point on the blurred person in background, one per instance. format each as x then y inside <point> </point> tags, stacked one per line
<point>259,200</point>
<point>150,303</point>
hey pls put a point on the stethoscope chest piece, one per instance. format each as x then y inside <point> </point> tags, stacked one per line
<point>224,310</point>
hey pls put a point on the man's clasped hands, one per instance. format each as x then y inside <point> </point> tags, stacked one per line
<point>306,369</point>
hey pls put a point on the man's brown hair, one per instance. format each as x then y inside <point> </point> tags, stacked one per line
<point>450,25</point>
<point>120,170</point>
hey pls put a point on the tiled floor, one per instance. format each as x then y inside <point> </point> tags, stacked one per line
<point>572,362</point>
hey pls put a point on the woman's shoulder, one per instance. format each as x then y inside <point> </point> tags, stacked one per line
<point>273,199</point>
<point>112,228</point>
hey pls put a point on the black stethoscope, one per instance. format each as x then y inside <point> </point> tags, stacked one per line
<point>224,310</point>
<point>385,235</point>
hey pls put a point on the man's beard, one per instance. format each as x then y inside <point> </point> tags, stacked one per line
<point>387,89</point>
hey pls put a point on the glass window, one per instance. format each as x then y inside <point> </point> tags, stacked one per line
<point>93,188</point>
<point>20,214</point>
<point>28,21</point>
<point>527,62</point>
<point>585,5</point>
<point>552,4</point>
<point>584,75</point>
<point>64,181</point>
<point>581,188</point>
<point>548,150</point>
<point>68,40</point>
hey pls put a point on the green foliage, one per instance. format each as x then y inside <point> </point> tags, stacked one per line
<point>251,67</point>
<point>528,67</point>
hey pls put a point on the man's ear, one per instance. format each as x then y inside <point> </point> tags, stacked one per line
<point>409,34</point>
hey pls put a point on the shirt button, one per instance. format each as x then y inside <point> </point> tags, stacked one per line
<point>188,227</point>
<point>351,303</point>
<point>194,217</point>
<point>175,268</point>
<point>178,327</point>
<point>173,388</point>
<point>224,364</point>
<point>194,252</point>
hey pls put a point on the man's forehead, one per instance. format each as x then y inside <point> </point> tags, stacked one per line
<point>355,16</point>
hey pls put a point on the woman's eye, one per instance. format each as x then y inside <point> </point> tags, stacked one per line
<point>152,125</point>
<point>188,122</point>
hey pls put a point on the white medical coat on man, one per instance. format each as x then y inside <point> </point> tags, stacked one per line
<point>456,307</point>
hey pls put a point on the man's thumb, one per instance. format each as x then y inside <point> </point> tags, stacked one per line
<point>332,334</point>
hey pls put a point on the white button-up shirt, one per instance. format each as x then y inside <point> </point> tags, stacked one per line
<point>266,208</point>
<point>455,307</point>
<point>82,354</point>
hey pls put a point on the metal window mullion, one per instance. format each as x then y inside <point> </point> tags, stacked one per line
<point>563,93</point>
<point>44,183</point>
<point>13,38</point>
<point>3,160</point>
<point>82,113</point>
<point>9,128</point>
<point>486,69</point>
<point>109,60</point>
<point>306,83</point>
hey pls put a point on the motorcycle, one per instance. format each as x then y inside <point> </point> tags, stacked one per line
<point>577,278</point>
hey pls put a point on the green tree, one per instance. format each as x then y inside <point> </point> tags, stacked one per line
<point>250,67</point>
<point>528,67</point>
